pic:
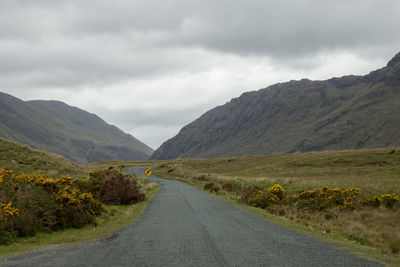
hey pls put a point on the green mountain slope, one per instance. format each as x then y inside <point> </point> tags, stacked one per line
<point>22,159</point>
<point>340,113</point>
<point>74,133</point>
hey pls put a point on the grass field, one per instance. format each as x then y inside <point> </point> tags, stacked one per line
<point>22,159</point>
<point>374,171</point>
<point>118,164</point>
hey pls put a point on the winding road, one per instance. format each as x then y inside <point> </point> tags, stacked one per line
<point>183,226</point>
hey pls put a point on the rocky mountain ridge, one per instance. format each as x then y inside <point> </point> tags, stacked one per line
<point>350,112</point>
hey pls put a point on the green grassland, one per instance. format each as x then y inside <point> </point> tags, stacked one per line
<point>374,171</point>
<point>22,159</point>
<point>118,164</point>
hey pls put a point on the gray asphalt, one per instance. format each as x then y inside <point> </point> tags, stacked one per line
<point>182,226</point>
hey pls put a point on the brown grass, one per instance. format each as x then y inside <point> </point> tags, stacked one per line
<point>375,171</point>
<point>150,186</point>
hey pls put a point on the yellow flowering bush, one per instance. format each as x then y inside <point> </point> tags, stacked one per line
<point>7,210</point>
<point>389,200</point>
<point>325,197</point>
<point>266,198</point>
<point>41,203</point>
<point>277,191</point>
<point>7,233</point>
<point>374,202</point>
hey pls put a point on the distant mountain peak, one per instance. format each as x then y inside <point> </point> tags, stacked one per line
<point>394,61</point>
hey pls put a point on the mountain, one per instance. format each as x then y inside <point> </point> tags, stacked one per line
<point>56,127</point>
<point>350,112</point>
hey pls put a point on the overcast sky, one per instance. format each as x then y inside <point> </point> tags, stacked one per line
<point>150,67</point>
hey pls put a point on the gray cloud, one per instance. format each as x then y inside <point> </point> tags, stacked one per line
<point>183,57</point>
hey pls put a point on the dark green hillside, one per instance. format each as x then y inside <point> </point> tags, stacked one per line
<point>350,112</point>
<point>74,133</point>
<point>22,159</point>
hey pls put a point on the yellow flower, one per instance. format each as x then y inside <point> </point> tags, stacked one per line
<point>7,210</point>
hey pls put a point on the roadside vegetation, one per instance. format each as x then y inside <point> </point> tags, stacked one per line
<point>112,219</point>
<point>41,203</point>
<point>348,194</point>
<point>37,203</point>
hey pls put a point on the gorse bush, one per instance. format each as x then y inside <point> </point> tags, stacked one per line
<point>228,186</point>
<point>374,202</point>
<point>208,186</point>
<point>7,232</point>
<point>31,203</point>
<point>389,200</point>
<point>263,200</point>
<point>321,199</point>
<point>277,191</point>
<point>250,193</point>
<point>255,196</point>
<point>325,198</point>
<point>114,187</point>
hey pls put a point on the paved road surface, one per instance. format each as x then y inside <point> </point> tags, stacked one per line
<point>183,226</point>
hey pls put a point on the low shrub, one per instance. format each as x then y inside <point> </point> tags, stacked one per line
<point>325,198</point>
<point>212,187</point>
<point>255,196</point>
<point>394,246</point>
<point>389,200</point>
<point>208,186</point>
<point>249,193</point>
<point>201,177</point>
<point>264,200</point>
<point>215,188</point>
<point>40,203</point>
<point>114,187</point>
<point>7,232</point>
<point>228,186</point>
<point>374,202</point>
<point>277,191</point>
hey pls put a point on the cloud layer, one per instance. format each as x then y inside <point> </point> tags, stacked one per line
<point>150,67</point>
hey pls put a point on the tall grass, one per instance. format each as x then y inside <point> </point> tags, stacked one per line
<point>375,171</point>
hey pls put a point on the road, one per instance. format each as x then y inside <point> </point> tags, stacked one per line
<point>183,226</point>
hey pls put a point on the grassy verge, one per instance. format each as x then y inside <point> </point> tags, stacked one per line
<point>115,218</point>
